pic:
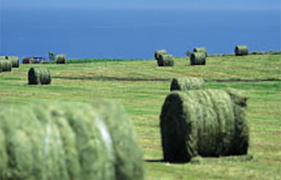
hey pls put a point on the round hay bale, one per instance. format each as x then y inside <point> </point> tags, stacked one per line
<point>241,50</point>
<point>187,83</point>
<point>198,58</point>
<point>200,49</point>
<point>158,52</point>
<point>39,76</point>
<point>128,155</point>
<point>14,60</point>
<point>28,60</point>
<point>60,59</point>
<point>5,65</point>
<point>165,60</point>
<point>25,61</point>
<point>205,123</point>
<point>68,141</point>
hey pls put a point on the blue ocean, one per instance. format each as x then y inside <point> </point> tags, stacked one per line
<point>133,34</point>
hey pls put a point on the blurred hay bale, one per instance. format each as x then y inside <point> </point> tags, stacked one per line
<point>198,58</point>
<point>203,122</point>
<point>39,76</point>
<point>241,50</point>
<point>44,62</point>
<point>187,83</point>
<point>165,60</point>
<point>14,60</point>
<point>63,141</point>
<point>158,52</point>
<point>5,65</point>
<point>60,59</point>
<point>3,57</point>
<point>200,49</point>
<point>272,52</point>
<point>257,53</point>
<point>28,60</point>
<point>127,150</point>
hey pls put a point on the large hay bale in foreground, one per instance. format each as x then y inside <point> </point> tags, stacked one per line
<point>60,59</point>
<point>165,60</point>
<point>205,123</point>
<point>200,49</point>
<point>198,58</point>
<point>187,83</point>
<point>5,65</point>
<point>241,50</point>
<point>65,141</point>
<point>39,76</point>
<point>158,52</point>
<point>28,60</point>
<point>14,60</point>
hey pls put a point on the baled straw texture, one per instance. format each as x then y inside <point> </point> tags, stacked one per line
<point>158,52</point>
<point>5,65</point>
<point>3,57</point>
<point>68,141</point>
<point>165,60</point>
<point>241,50</point>
<point>186,84</point>
<point>14,60</point>
<point>205,123</point>
<point>60,59</point>
<point>200,49</point>
<point>39,76</point>
<point>198,58</point>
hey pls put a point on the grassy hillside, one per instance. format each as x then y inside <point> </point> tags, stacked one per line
<point>141,87</point>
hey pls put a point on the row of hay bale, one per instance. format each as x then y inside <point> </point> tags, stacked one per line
<point>197,57</point>
<point>59,59</point>
<point>35,75</point>
<point>250,53</point>
<point>64,141</point>
<point>198,122</point>
<point>8,62</point>
<point>163,58</point>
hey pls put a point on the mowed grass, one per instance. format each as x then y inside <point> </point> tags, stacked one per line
<point>141,87</point>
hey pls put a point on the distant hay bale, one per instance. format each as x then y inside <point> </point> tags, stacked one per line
<point>14,60</point>
<point>257,53</point>
<point>241,50</point>
<point>187,83</point>
<point>158,52</point>
<point>165,60</point>
<point>39,76</point>
<point>273,52</point>
<point>5,65</point>
<point>64,141</point>
<point>204,123</point>
<point>201,49</point>
<point>44,62</point>
<point>60,59</point>
<point>28,60</point>
<point>198,58</point>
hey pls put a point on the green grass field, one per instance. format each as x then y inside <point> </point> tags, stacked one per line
<point>141,87</point>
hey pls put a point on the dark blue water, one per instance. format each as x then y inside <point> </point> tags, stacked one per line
<point>134,34</point>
